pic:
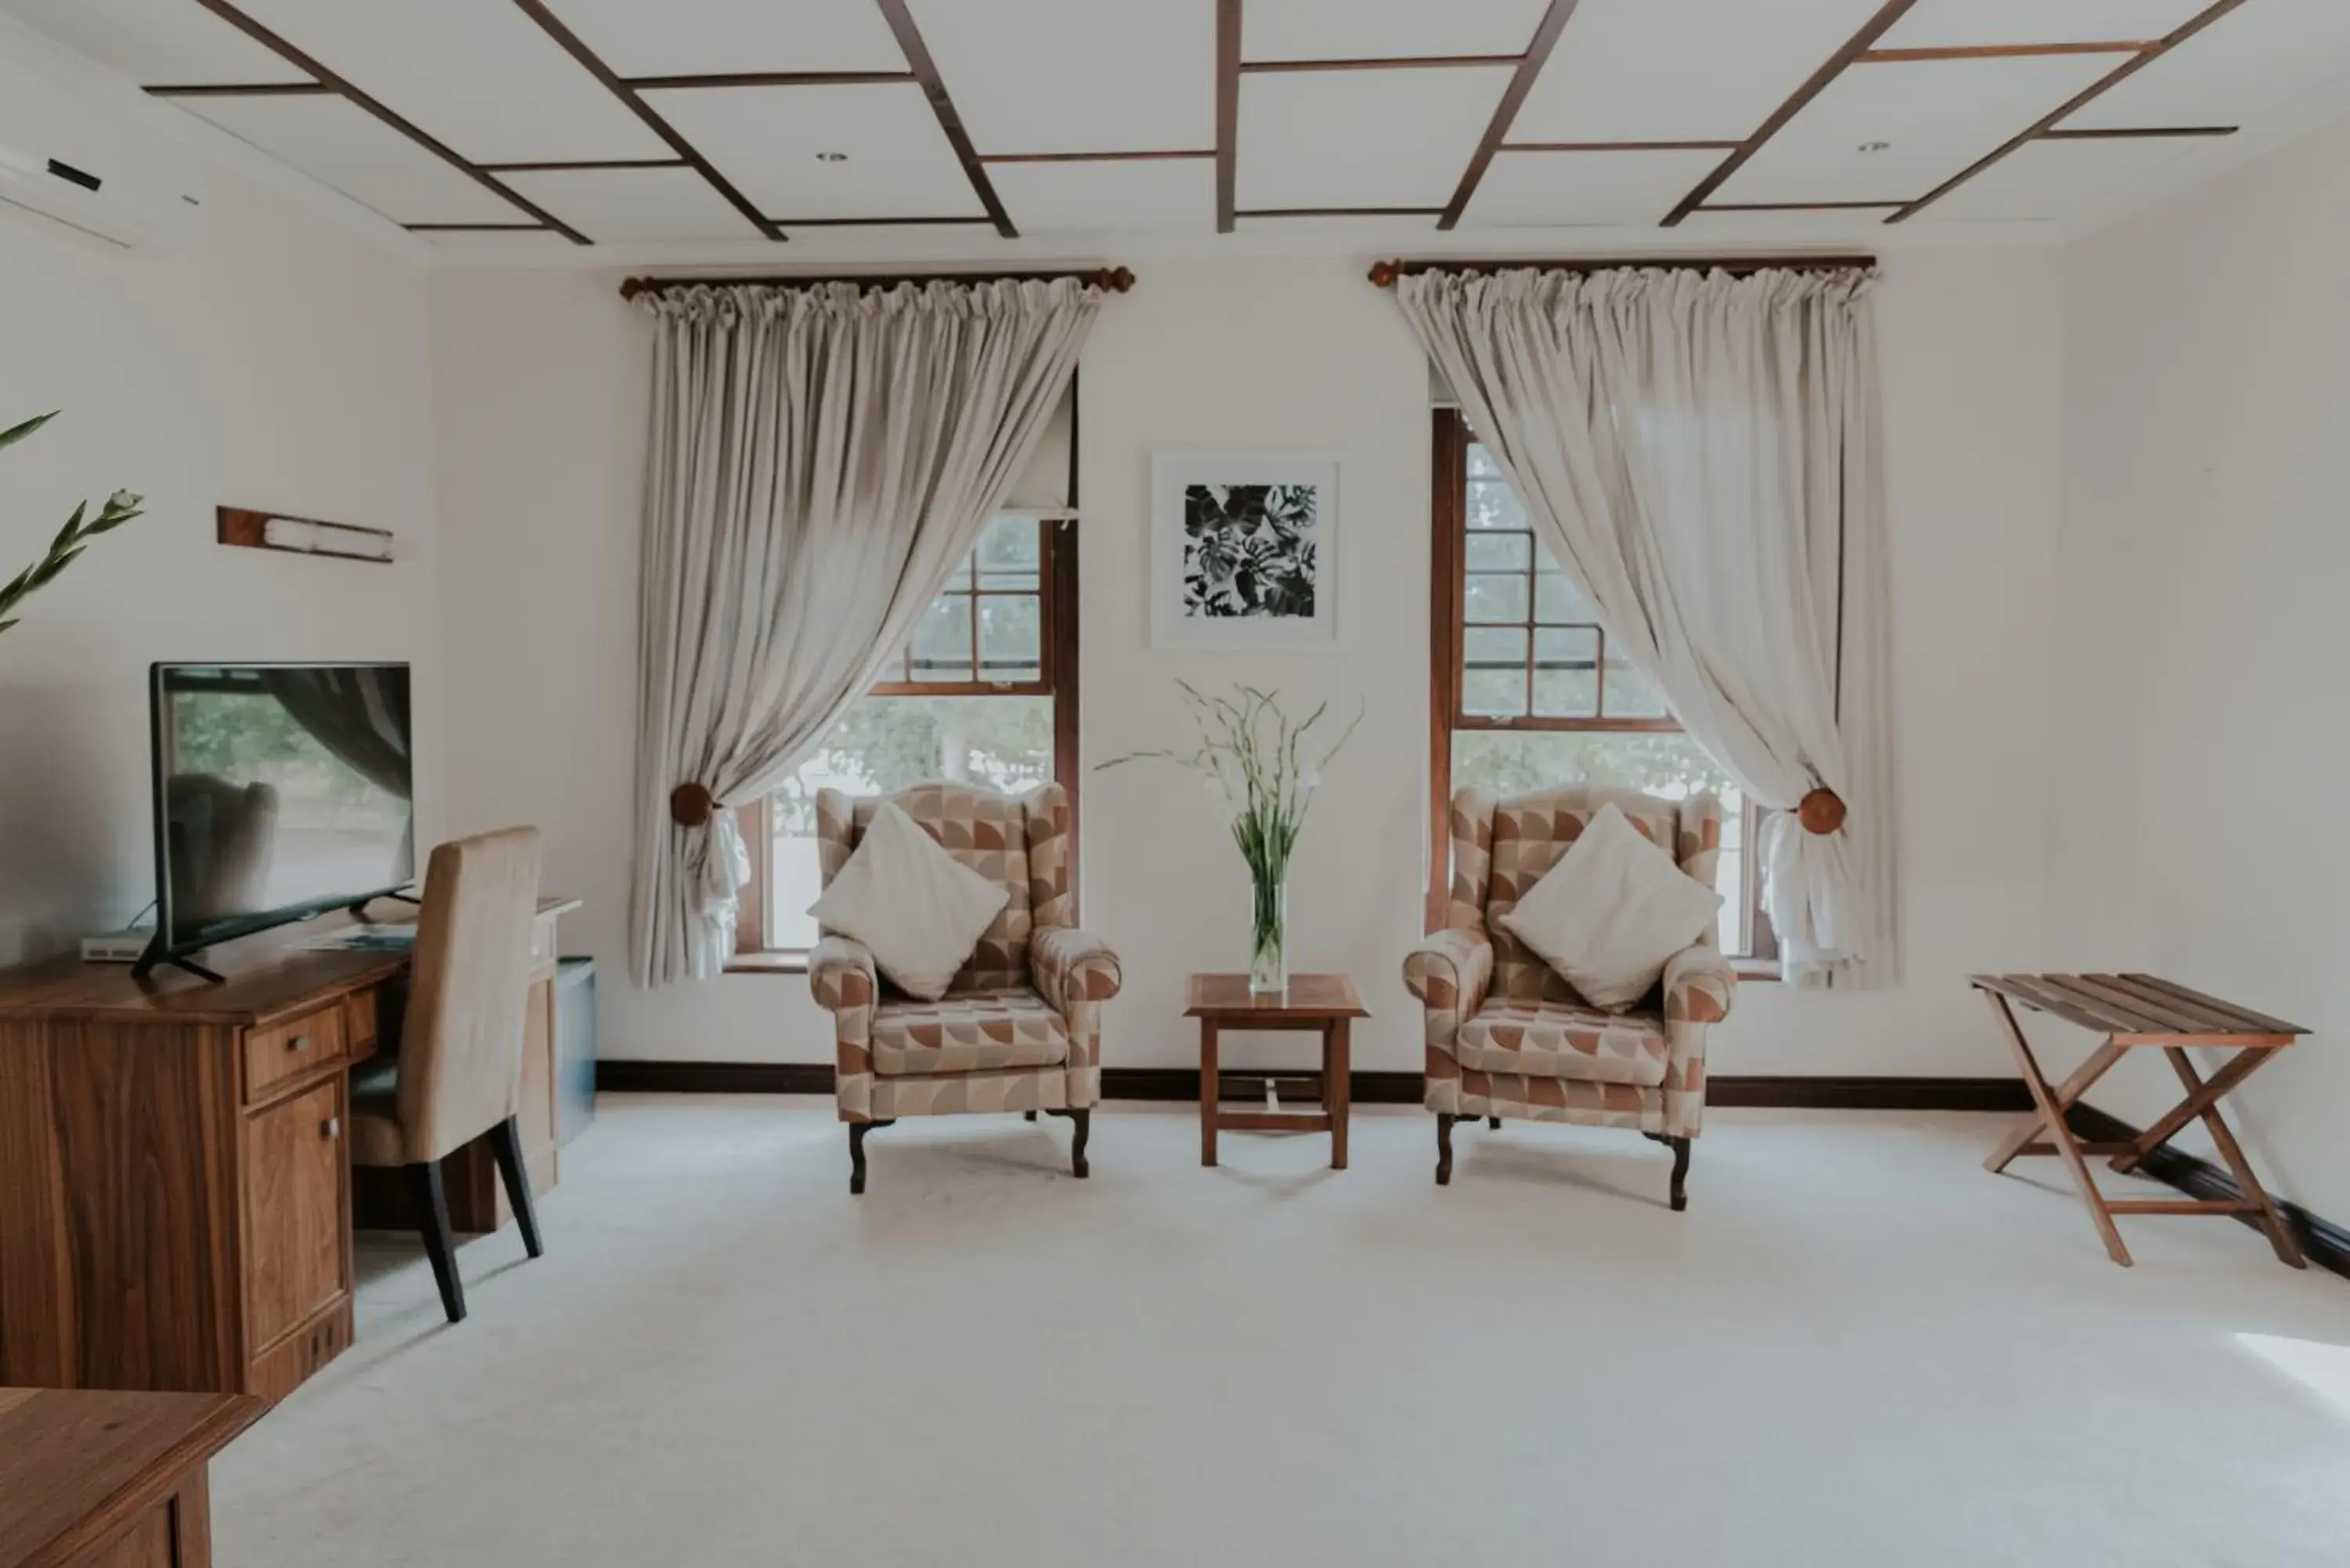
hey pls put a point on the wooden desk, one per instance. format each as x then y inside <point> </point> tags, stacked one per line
<point>110,1480</point>
<point>175,1182</point>
<point>1325,1004</point>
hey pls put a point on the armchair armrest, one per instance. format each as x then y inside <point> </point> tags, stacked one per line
<point>1698,984</point>
<point>841,975</point>
<point>1070,967</point>
<point>1449,973</point>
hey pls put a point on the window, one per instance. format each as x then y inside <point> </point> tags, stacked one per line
<point>1527,693</point>
<point>984,691</point>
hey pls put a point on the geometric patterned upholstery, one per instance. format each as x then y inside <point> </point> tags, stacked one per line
<point>1020,1026</point>
<point>1506,1034</point>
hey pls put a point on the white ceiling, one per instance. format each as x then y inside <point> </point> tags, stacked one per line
<point>1353,116</point>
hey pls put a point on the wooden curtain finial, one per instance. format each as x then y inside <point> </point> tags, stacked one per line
<point>689,804</point>
<point>1820,811</point>
<point>1383,274</point>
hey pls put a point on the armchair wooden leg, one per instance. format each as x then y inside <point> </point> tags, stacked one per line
<point>856,1131</point>
<point>431,1200</point>
<point>1495,1122</point>
<point>506,1143</point>
<point>1028,1116</point>
<point>1444,1148</point>
<point>1681,1148</point>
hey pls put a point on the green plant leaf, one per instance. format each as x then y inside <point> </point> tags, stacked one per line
<point>15,433</point>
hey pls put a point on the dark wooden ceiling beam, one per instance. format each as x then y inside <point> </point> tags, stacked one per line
<point>567,165</point>
<point>764,78</point>
<point>789,223</point>
<point>239,89</point>
<point>2073,105</point>
<point>1228,111</point>
<point>476,228</point>
<point>1379,63</point>
<point>2129,132</point>
<point>1616,146</point>
<point>934,87</point>
<point>2001,52</point>
<point>595,66</point>
<point>1799,207</point>
<point>1506,113</point>
<point>1859,44</point>
<point>1338,212</point>
<point>1169,156</point>
<point>349,90</point>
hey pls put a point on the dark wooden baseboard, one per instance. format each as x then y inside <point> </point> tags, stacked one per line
<point>1796,1091</point>
<point>2326,1243</point>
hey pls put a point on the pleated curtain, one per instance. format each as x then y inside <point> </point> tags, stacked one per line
<point>1700,453</point>
<point>820,460</point>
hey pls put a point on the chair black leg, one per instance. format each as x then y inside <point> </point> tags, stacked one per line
<point>433,1218</point>
<point>506,1143</point>
<point>1493,1122</point>
<point>1444,1148</point>
<point>1028,1116</point>
<point>1681,1148</point>
<point>1082,1124</point>
<point>856,1131</point>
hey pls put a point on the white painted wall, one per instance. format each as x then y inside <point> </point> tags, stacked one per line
<point>274,361</point>
<point>540,428</point>
<point>2204,553</point>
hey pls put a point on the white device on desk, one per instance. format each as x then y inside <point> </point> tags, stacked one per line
<point>117,947</point>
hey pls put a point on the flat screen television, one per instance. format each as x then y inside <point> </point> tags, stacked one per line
<point>282,790</point>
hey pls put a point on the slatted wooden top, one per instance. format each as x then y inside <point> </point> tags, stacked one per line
<point>1310,999</point>
<point>2141,1009</point>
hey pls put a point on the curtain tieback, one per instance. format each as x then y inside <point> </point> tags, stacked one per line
<point>1821,811</point>
<point>689,804</point>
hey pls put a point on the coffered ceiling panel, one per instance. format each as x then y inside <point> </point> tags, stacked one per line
<point>1932,119</point>
<point>1361,139</point>
<point>1975,24</point>
<point>700,37</point>
<point>1171,193</point>
<point>616,204</point>
<point>1078,76</point>
<point>156,42</point>
<point>335,140</point>
<point>2250,63</point>
<point>1548,188</point>
<point>1385,29</point>
<point>1681,70</point>
<point>770,142</point>
<point>2054,179</point>
<point>482,78</point>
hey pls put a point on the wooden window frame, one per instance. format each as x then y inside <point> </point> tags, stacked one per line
<point>1448,623</point>
<point>1057,581</point>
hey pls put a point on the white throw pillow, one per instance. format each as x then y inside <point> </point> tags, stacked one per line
<point>917,907</point>
<point>1612,911</point>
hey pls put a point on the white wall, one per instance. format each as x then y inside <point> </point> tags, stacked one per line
<point>273,360</point>
<point>540,428</point>
<point>2201,579</point>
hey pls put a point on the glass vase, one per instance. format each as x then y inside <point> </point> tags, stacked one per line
<point>1269,936</point>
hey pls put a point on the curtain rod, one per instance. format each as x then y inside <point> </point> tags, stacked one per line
<point>1385,273</point>
<point>1117,279</point>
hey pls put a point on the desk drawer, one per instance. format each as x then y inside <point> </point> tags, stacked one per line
<point>287,1050</point>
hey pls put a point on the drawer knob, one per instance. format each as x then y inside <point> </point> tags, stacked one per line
<point>331,1128</point>
<point>299,1043</point>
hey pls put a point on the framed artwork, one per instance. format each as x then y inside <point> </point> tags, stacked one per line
<point>1243,551</point>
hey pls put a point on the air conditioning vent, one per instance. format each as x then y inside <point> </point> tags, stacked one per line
<point>87,170</point>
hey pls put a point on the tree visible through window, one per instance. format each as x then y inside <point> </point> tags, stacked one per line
<point>1531,694</point>
<point>984,692</point>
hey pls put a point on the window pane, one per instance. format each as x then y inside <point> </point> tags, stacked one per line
<point>1493,504</point>
<point>887,744</point>
<point>1567,674</point>
<point>941,643</point>
<point>1011,553</point>
<point>1673,766</point>
<point>1499,552</point>
<point>1629,695</point>
<point>1493,672</point>
<point>1011,638</point>
<point>1558,602</point>
<point>1480,462</point>
<point>1489,597</point>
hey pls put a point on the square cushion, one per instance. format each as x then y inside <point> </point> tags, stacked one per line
<point>919,910</point>
<point>1560,1040</point>
<point>968,1034</point>
<point>1613,909</point>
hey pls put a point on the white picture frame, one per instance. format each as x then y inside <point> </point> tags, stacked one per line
<point>1255,570</point>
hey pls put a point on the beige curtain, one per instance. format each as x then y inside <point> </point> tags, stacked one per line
<point>1700,453</point>
<point>821,460</point>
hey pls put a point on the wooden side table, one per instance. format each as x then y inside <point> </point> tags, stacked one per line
<point>2133,1011</point>
<point>1325,1005</point>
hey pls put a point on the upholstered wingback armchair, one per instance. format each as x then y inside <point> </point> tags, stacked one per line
<point>1508,1036</point>
<point>1020,1026</point>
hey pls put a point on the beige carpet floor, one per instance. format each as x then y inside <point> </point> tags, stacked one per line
<point>1857,1347</point>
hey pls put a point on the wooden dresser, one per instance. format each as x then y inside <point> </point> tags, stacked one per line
<point>176,1201</point>
<point>95,1479</point>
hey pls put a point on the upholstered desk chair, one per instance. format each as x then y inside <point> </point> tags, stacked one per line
<point>457,1074</point>
<point>1020,1026</point>
<point>1507,1036</point>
